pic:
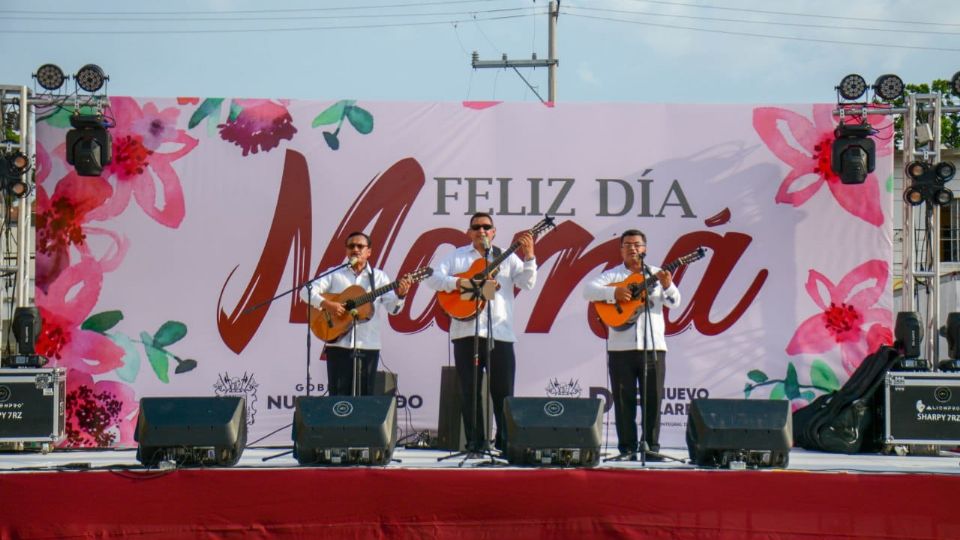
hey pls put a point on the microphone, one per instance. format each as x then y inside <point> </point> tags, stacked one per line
<point>486,242</point>
<point>640,256</point>
<point>353,261</point>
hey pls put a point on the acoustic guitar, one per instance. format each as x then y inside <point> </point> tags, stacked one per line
<point>357,304</point>
<point>623,314</point>
<point>465,307</point>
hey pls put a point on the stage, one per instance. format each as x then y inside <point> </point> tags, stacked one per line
<point>97,494</point>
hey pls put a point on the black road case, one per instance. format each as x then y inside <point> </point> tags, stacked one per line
<point>32,405</point>
<point>922,407</point>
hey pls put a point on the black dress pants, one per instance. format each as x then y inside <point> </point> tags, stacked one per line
<point>626,378</point>
<point>501,367</point>
<point>340,370</point>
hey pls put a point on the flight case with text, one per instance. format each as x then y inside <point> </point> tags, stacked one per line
<point>32,405</point>
<point>922,407</point>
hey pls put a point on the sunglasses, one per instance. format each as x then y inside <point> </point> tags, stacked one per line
<point>358,246</point>
<point>478,227</point>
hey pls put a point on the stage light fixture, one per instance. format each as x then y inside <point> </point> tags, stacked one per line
<point>13,166</point>
<point>908,339</point>
<point>942,197</point>
<point>955,83</point>
<point>49,77</point>
<point>951,331</point>
<point>854,152</point>
<point>89,145</point>
<point>852,87</point>
<point>18,162</point>
<point>945,171</point>
<point>928,183</point>
<point>26,326</point>
<point>916,169</point>
<point>913,196</point>
<point>889,87</point>
<point>90,78</point>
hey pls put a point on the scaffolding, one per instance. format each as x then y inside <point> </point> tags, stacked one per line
<point>920,264</point>
<point>17,133</point>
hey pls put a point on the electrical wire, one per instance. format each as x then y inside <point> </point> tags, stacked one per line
<point>251,11</point>
<point>767,22</point>
<point>793,14</point>
<point>248,30</point>
<point>769,36</point>
<point>220,18</point>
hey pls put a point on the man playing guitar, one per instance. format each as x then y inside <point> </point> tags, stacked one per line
<point>628,347</point>
<point>514,271</point>
<point>340,353</point>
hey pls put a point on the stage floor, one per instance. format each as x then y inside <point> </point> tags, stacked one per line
<point>262,457</point>
<point>108,494</point>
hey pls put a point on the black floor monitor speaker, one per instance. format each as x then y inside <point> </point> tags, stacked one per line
<point>450,433</point>
<point>344,430</point>
<point>553,431</point>
<point>191,430</point>
<point>385,384</point>
<point>740,432</point>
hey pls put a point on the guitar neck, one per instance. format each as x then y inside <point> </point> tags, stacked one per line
<point>495,263</point>
<point>536,231</point>
<point>372,295</point>
<point>650,281</point>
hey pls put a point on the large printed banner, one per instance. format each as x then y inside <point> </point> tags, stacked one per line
<point>155,279</point>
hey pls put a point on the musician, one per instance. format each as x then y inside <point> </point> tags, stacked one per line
<point>514,271</point>
<point>627,348</point>
<point>340,353</point>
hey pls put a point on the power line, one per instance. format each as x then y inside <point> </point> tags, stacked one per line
<point>770,36</point>
<point>234,11</point>
<point>219,17</point>
<point>748,21</point>
<point>299,29</point>
<point>792,14</point>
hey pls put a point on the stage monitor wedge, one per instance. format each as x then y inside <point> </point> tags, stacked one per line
<point>553,431</point>
<point>191,431</point>
<point>752,432</point>
<point>344,430</point>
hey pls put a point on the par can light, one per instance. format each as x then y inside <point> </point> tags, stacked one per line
<point>49,77</point>
<point>852,87</point>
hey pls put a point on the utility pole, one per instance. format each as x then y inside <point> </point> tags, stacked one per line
<point>550,63</point>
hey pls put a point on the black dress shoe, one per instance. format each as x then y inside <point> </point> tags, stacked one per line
<point>654,457</point>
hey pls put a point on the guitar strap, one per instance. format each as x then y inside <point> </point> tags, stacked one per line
<point>373,287</point>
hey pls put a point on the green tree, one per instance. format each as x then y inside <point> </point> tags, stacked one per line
<point>949,123</point>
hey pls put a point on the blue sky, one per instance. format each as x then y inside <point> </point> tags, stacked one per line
<point>683,51</point>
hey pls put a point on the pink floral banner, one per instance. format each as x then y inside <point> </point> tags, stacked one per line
<point>156,278</point>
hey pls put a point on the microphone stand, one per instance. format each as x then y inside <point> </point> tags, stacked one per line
<point>487,399</point>
<point>309,285</point>
<point>355,389</point>
<point>648,353</point>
